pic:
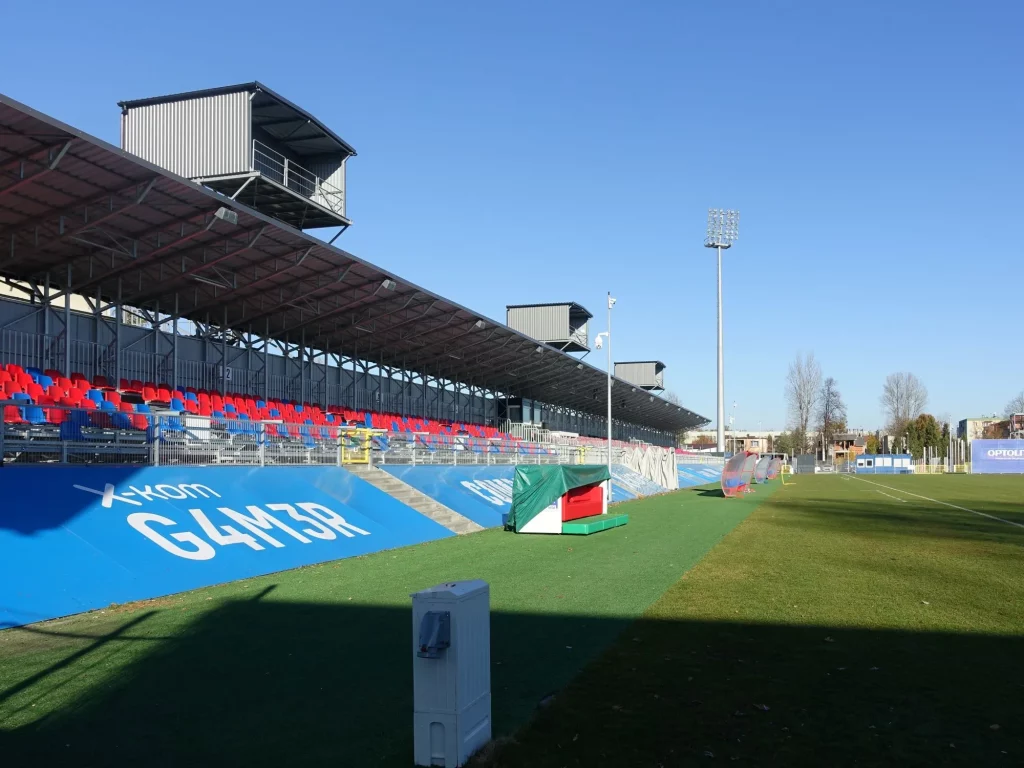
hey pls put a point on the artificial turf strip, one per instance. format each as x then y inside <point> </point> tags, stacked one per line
<point>835,626</point>
<point>313,666</point>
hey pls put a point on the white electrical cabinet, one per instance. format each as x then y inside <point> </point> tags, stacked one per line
<point>451,661</point>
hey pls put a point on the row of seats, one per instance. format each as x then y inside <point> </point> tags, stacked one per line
<point>129,406</point>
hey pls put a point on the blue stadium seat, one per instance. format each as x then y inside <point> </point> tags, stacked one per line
<point>33,414</point>
<point>45,381</point>
<point>96,395</point>
<point>71,427</point>
<point>192,396</point>
<point>177,404</point>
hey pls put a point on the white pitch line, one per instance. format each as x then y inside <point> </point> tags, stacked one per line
<point>943,503</point>
<point>902,501</point>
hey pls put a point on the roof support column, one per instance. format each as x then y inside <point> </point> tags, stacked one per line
<point>380,384</point>
<point>342,389</point>
<point>46,305</point>
<point>266,369</point>
<point>302,366</point>
<point>118,322</point>
<point>174,342</point>
<point>352,397</point>
<point>67,326</point>
<point>223,352</point>
<point>327,375</point>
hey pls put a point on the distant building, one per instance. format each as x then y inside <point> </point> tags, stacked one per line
<point>974,429</point>
<point>848,445</point>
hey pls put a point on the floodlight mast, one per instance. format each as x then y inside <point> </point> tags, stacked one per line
<point>723,231</point>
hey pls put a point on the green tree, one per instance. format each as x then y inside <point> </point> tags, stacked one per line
<point>871,444</point>
<point>924,432</point>
<point>785,442</point>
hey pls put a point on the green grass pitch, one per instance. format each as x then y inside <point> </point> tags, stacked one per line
<point>834,622</point>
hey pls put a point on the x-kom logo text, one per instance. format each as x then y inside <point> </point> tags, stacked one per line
<point>318,522</point>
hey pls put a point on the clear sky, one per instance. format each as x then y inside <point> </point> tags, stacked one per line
<point>523,152</point>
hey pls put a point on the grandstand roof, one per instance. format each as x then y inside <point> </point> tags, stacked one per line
<point>572,305</point>
<point>124,228</point>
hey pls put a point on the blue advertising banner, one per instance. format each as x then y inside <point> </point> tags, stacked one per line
<point>480,493</point>
<point>484,493</point>
<point>74,539</point>
<point>697,474</point>
<point>633,483</point>
<point>997,457</point>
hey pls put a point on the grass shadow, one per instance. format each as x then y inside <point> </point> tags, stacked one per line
<point>261,682</point>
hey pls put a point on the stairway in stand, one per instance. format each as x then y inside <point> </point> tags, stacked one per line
<point>411,497</point>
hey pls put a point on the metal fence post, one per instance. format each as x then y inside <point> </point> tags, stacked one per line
<point>156,441</point>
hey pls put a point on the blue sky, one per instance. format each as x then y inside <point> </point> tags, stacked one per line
<point>532,151</point>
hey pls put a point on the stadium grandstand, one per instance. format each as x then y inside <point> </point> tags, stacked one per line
<point>149,317</point>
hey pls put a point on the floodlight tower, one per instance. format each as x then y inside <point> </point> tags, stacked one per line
<point>723,231</point>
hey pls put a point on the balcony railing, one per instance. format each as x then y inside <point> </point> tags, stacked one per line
<point>276,167</point>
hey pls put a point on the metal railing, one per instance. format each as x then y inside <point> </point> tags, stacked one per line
<point>275,166</point>
<point>32,434</point>
<point>690,458</point>
<point>50,434</point>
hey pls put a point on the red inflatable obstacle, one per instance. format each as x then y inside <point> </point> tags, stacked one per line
<point>737,474</point>
<point>774,467</point>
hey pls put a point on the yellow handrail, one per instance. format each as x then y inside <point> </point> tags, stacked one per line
<point>356,445</point>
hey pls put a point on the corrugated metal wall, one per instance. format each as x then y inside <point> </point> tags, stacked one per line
<point>331,174</point>
<point>641,374</point>
<point>547,323</point>
<point>208,136</point>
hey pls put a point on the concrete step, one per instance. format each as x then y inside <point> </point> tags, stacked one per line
<point>411,497</point>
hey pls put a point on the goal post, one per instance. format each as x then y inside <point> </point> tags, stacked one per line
<point>786,473</point>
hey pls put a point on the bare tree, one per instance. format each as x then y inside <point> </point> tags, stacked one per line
<point>831,413</point>
<point>904,397</point>
<point>803,386</point>
<point>1016,405</point>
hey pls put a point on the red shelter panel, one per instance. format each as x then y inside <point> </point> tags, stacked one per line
<point>582,502</point>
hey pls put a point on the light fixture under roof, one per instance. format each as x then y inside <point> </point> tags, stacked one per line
<point>389,284</point>
<point>209,281</point>
<point>361,328</point>
<point>480,324</point>
<point>226,215</point>
<point>539,349</point>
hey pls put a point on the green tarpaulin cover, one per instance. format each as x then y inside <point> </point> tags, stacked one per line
<point>536,487</point>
